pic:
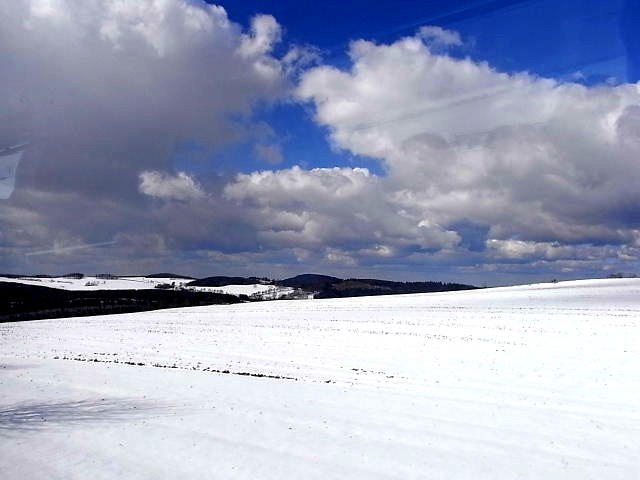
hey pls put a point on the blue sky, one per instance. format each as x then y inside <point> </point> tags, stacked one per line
<point>478,141</point>
<point>544,37</point>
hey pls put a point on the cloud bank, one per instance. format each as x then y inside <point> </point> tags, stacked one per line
<point>545,171</point>
<point>105,91</point>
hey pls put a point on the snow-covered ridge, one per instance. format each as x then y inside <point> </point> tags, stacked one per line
<point>91,283</point>
<point>528,382</point>
<point>96,283</point>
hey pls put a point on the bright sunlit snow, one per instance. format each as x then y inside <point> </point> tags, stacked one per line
<point>531,382</point>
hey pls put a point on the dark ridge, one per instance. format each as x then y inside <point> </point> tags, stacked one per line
<point>26,302</point>
<point>331,287</point>
<point>74,275</point>
<point>222,281</point>
<point>358,287</point>
<point>168,275</point>
<point>309,281</point>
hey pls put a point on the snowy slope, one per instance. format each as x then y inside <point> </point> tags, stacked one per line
<point>90,283</point>
<point>94,283</point>
<point>266,291</point>
<point>534,381</point>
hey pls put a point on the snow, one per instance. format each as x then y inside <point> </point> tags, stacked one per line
<point>91,283</point>
<point>260,290</point>
<point>536,381</point>
<point>95,283</point>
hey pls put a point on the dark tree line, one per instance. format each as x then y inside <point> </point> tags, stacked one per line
<point>27,302</point>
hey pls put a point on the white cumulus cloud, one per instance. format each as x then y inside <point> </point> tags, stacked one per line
<point>552,164</point>
<point>105,89</point>
<point>170,187</point>
<point>334,208</point>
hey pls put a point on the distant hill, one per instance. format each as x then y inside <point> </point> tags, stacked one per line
<point>364,287</point>
<point>325,286</point>
<point>332,287</point>
<point>27,302</point>
<point>222,281</point>
<point>309,281</point>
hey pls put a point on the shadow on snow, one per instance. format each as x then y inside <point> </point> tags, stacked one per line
<point>28,416</point>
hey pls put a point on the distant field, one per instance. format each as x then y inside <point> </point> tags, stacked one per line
<point>90,283</point>
<point>534,382</point>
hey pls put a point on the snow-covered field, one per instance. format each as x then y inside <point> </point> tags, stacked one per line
<point>95,283</point>
<point>533,382</point>
<point>143,283</point>
<point>260,290</point>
